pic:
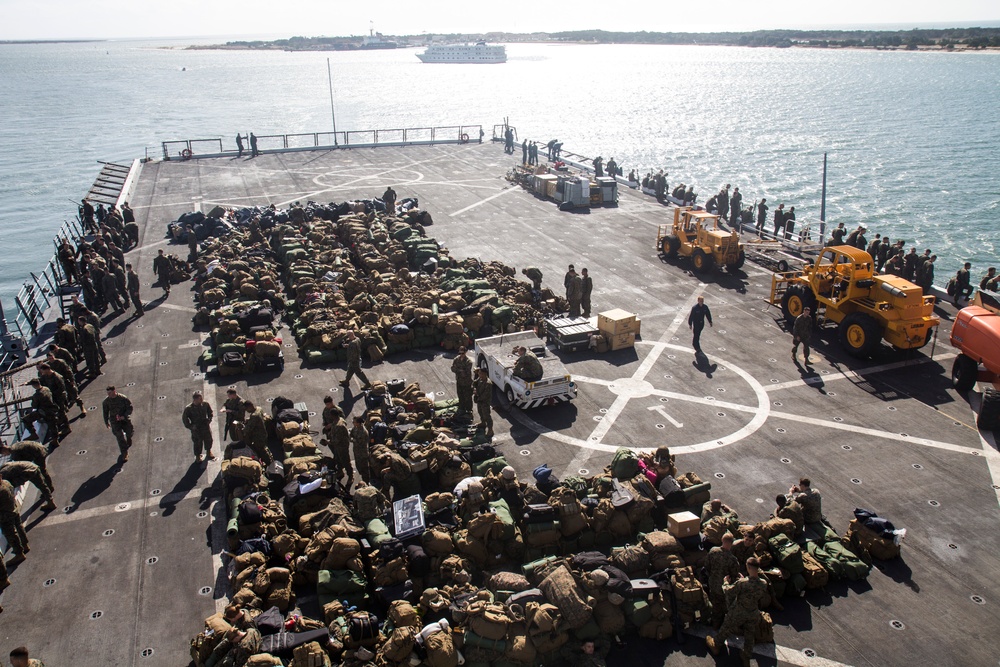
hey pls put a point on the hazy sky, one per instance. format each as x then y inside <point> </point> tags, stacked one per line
<point>55,19</point>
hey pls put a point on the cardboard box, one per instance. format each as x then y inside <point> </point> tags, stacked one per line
<point>683,524</point>
<point>622,341</point>
<point>616,321</point>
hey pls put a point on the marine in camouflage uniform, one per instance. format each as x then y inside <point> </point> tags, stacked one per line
<point>117,410</point>
<point>810,500</point>
<point>534,275</point>
<point>65,337</point>
<point>89,338</point>
<point>10,523</point>
<point>255,433</point>
<point>353,346</point>
<point>331,413</point>
<point>43,408</point>
<point>30,450</point>
<point>360,439</point>
<point>21,472</point>
<point>197,418</point>
<point>791,510</point>
<point>57,386</point>
<point>63,370</point>
<point>743,616</point>
<point>461,366</point>
<point>482,390</point>
<point>721,563</point>
<point>233,407</point>
<point>396,471</point>
<point>528,367</point>
<point>340,445</point>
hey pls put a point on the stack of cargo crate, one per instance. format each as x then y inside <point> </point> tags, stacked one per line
<point>621,327</point>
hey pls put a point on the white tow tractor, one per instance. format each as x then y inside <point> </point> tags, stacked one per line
<point>496,355</point>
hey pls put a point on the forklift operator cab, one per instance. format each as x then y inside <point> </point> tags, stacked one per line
<point>836,271</point>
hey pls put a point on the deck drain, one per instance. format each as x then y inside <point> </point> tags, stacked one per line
<point>720,475</point>
<point>831,394</point>
<point>904,435</point>
<point>152,560</point>
<point>205,590</point>
<point>933,503</point>
<point>109,532</point>
<point>164,335</point>
<point>81,452</point>
<point>524,452</point>
<point>780,430</point>
<point>155,492</point>
<point>855,480</point>
<point>898,625</point>
<point>846,448</point>
<point>312,414</point>
<point>721,390</point>
<point>674,338</point>
<point>722,331</point>
<point>91,408</point>
<point>660,426</point>
<point>760,500</point>
<point>603,411</point>
<point>720,414</point>
<point>778,404</point>
<point>952,546</point>
<point>892,408</point>
<point>299,376</point>
<point>161,398</point>
<point>824,372</point>
<point>232,386</point>
<point>669,377</point>
<point>139,326</point>
<point>121,507</point>
<point>774,381</point>
<point>158,438</point>
<point>722,349</point>
<point>163,363</point>
<point>809,653</point>
<point>996,487</point>
<point>710,398</point>
<point>583,471</point>
<point>917,466</point>
<point>598,418</point>
<point>146,652</point>
<point>671,356</point>
<point>838,419</point>
<point>288,344</point>
<point>202,514</point>
<point>154,514</point>
<point>769,342</point>
<point>978,599</point>
<point>334,390</point>
<point>786,460</point>
<point>269,400</point>
<point>94,615</point>
<point>130,384</point>
<point>68,509</point>
<point>48,582</point>
<point>773,360</point>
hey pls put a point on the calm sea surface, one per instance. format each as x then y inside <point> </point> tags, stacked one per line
<point>913,138</point>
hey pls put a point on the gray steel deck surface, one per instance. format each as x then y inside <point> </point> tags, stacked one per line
<point>888,434</point>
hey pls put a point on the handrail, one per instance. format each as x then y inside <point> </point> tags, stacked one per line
<point>303,141</point>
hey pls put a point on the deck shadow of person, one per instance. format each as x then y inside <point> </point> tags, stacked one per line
<point>168,503</point>
<point>703,364</point>
<point>94,486</point>
<point>897,570</point>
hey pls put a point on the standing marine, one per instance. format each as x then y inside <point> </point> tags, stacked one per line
<point>461,366</point>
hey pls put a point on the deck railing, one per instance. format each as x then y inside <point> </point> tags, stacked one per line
<point>186,149</point>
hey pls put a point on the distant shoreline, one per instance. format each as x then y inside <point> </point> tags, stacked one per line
<point>938,39</point>
<point>5,42</point>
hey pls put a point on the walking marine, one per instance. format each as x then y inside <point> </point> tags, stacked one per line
<point>197,418</point>
<point>117,410</point>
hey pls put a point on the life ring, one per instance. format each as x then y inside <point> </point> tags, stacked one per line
<point>465,138</point>
<point>186,154</point>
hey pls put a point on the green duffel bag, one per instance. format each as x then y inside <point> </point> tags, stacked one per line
<point>403,233</point>
<point>502,511</point>
<point>338,585</point>
<point>317,357</point>
<point>637,612</point>
<point>829,563</point>
<point>496,465</point>
<point>496,645</point>
<point>443,405</point>
<point>220,350</point>
<point>787,553</point>
<point>378,532</point>
<point>854,568</point>
<point>589,632</point>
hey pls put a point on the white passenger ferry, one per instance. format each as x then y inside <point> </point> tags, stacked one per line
<point>464,53</point>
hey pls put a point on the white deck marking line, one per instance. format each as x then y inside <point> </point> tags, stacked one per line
<point>840,426</point>
<point>773,651</point>
<point>647,364</point>
<point>590,380</point>
<point>482,201</point>
<point>860,373</point>
<point>663,413</point>
<point>136,504</point>
<point>214,468</point>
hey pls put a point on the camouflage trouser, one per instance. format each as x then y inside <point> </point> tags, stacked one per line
<point>356,370</point>
<point>363,465</point>
<point>740,622</point>
<point>342,457</point>
<point>40,480</point>
<point>52,421</point>
<point>123,434</point>
<point>201,438</point>
<point>4,579</point>
<point>13,531</point>
<point>485,415</point>
<point>718,608</point>
<point>93,358</point>
<point>259,448</point>
<point>464,398</point>
<point>137,302</point>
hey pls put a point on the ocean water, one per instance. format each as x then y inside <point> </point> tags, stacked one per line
<point>913,138</point>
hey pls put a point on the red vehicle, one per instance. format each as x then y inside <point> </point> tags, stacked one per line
<point>976,333</point>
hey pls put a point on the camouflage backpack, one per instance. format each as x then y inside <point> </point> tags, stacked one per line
<point>369,503</point>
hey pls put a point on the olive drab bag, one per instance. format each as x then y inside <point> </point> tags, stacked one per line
<point>787,553</point>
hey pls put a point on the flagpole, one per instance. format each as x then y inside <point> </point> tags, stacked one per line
<point>333,113</point>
